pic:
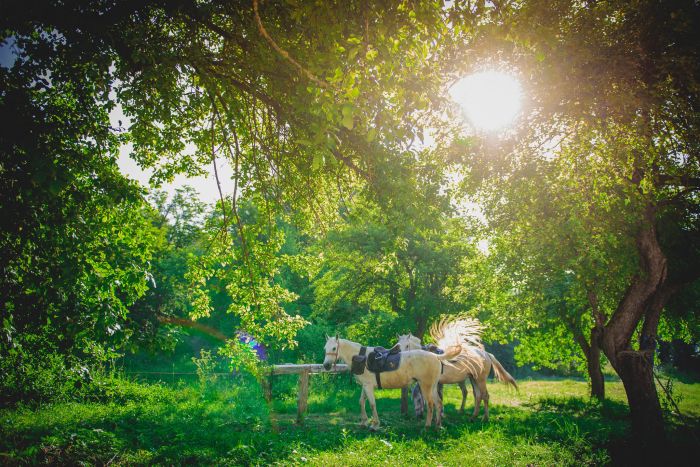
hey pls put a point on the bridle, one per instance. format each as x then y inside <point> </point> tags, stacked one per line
<point>335,355</point>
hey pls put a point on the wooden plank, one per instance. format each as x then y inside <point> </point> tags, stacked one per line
<point>303,395</point>
<point>290,369</point>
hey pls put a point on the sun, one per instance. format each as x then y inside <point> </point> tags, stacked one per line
<point>489,99</point>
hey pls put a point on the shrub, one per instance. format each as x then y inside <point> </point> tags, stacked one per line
<point>33,371</point>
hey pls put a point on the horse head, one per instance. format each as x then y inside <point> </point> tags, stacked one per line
<point>409,342</point>
<point>331,348</point>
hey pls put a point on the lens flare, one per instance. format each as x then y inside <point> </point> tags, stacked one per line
<point>490,99</point>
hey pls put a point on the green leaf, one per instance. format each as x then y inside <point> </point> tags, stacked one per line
<point>371,135</point>
<point>347,120</point>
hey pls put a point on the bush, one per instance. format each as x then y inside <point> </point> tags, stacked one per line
<point>30,372</point>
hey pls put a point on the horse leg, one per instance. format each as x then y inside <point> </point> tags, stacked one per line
<point>373,404</point>
<point>463,387</point>
<point>429,394</point>
<point>438,405</point>
<point>485,397</point>
<point>477,400</point>
<point>441,402</point>
<point>363,413</point>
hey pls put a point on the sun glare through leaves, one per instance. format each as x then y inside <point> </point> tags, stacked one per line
<point>490,100</point>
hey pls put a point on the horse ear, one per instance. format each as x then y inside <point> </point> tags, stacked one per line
<point>398,337</point>
<point>337,336</point>
<point>327,337</point>
<point>410,335</point>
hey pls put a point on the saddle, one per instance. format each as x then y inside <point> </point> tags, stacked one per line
<point>381,359</point>
<point>378,361</point>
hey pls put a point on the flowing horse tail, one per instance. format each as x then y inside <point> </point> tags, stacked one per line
<point>457,329</point>
<point>501,374</point>
<point>450,353</point>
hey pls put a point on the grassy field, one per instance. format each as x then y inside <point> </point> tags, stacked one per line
<point>549,422</point>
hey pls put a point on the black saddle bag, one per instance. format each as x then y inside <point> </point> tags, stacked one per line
<point>359,362</point>
<point>381,359</point>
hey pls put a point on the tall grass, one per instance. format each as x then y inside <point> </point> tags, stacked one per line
<point>548,422</point>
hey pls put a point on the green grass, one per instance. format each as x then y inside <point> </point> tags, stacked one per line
<point>549,422</point>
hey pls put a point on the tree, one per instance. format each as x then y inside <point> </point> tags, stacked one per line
<point>613,87</point>
<point>400,259</point>
<point>179,221</point>
<point>75,236</point>
<point>300,111</point>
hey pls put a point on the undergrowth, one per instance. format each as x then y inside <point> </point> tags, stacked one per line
<point>547,423</point>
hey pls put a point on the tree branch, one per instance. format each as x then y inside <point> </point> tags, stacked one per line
<point>678,180</point>
<point>188,323</point>
<point>282,52</point>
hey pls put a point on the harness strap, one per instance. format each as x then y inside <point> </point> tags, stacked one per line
<point>363,350</point>
<point>442,367</point>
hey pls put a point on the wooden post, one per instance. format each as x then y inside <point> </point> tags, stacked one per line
<point>266,383</point>
<point>304,371</point>
<point>303,395</point>
<point>404,400</point>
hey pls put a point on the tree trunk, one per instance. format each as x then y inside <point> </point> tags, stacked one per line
<point>636,371</point>
<point>404,400</point>
<point>592,354</point>
<point>595,373</point>
<point>421,325</point>
<point>635,368</point>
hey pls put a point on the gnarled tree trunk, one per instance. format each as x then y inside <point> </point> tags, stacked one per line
<point>635,367</point>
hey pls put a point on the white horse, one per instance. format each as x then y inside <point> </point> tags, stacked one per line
<point>476,363</point>
<point>418,365</point>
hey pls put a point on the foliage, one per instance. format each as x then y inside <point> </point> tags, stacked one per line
<point>243,358</point>
<point>302,115</point>
<point>245,263</point>
<point>75,235</point>
<point>388,275</point>
<point>336,212</point>
<point>178,221</point>
<point>206,367</point>
<point>586,195</point>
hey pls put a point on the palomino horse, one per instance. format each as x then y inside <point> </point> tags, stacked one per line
<point>418,365</point>
<point>475,362</point>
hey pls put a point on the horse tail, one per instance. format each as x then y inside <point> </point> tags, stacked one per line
<point>501,374</point>
<point>450,353</point>
<point>460,329</point>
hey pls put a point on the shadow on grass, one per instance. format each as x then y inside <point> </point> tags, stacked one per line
<point>235,429</point>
